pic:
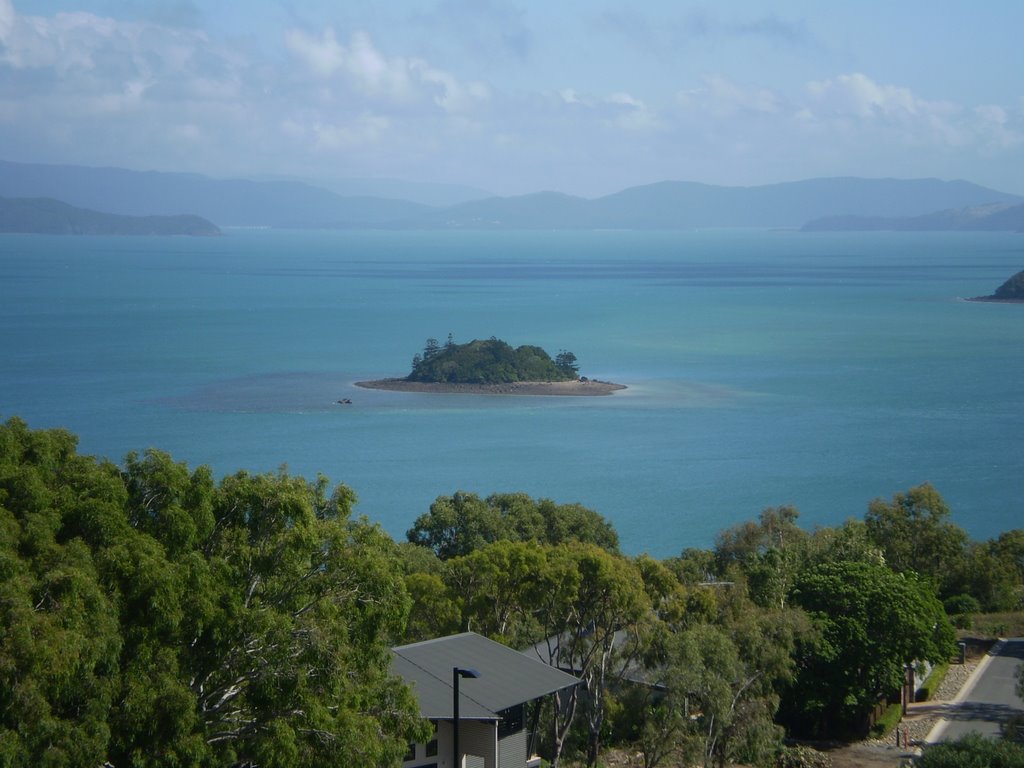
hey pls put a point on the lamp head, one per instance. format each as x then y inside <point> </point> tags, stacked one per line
<point>467,672</point>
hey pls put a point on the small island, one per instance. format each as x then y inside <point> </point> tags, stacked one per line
<point>1010,292</point>
<point>493,367</point>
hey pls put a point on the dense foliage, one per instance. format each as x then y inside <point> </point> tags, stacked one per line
<point>154,617</point>
<point>462,523</point>
<point>489,362</point>
<point>872,622</point>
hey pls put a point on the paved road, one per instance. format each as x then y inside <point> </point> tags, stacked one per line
<point>988,699</point>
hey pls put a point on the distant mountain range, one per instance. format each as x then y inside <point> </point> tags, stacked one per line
<point>665,205</point>
<point>44,216</point>
<point>995,217</point>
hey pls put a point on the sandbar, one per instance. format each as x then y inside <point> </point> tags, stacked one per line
<point>578,388</point>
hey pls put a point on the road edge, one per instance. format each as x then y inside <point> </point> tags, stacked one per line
<point>935,734</point>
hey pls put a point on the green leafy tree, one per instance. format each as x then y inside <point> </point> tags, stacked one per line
<point>490,361</point>
<point>716,708</point>
<point>435,610</point>
<point>459,524</point>
<point>152,617</point>
<point>872,621</point>
<point>294,667</point>
<point>988,577</point>
<point>915,534</point>
<point>456,525</point>
<point>497,587</point>
<point>60,642</point>
<point>769,554</point>
<point>694,566</point>
<point>596,631</point>
<point>850,542</point>
<point>573,522</point>
<point>566,361</point>
<point>430,349</point>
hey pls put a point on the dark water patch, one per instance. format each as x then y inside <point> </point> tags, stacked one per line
<point>282,392</point>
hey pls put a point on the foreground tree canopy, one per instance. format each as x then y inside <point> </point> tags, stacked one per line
<point>154,617</point>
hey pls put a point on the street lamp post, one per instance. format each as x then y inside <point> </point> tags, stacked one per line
<point>458,672</point>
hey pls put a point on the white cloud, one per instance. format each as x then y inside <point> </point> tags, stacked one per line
<point>627,100</point>
<point>619,110</point>
<point>6,21</point>
<point>569,96</point>
<point>366,129</point>
<point>859,96</point>
<point>855,105</point>
<point>324,56</point>
<point>1003,129</point>
<point>129,97</point>
<point>631,113</point>
<point>79,87</point>
<point>65,42</point>
<point>450,94</point>
<point>721,97</point>
<point>396,78</point>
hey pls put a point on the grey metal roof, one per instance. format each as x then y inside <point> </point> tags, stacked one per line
<point>507,677</point>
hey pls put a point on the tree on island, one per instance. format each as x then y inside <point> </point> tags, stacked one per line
<point>492,361</point>
<point>566,361</point>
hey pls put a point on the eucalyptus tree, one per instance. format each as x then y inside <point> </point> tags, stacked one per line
<point>915,534</point>
<point>154,617</point>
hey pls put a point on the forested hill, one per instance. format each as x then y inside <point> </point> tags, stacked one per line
<point>489,362</point>
<point>44,216</point>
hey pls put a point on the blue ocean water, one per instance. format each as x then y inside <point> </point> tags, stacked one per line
<point>764,368</point>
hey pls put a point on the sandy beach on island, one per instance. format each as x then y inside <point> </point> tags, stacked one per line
<point>590,387</point>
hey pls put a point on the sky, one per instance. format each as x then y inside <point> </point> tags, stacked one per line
<point>585,97</point>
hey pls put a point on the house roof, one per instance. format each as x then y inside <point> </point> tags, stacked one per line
<point>507,677</point>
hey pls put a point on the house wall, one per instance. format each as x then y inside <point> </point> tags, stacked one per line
<point>477,740</point>
<point>480,739</point>
<point>512,750</point>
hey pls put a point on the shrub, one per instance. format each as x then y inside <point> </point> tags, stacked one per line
<point>802,757</point>
<point>890,719</point>
<point>958,604</point>
<point>972,751</point>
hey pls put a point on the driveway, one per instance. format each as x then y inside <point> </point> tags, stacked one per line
<point>988,699</point>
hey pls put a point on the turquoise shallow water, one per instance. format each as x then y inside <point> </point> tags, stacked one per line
<point>764,368</point>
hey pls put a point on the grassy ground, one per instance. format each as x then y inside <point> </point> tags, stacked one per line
<point>994,625</point>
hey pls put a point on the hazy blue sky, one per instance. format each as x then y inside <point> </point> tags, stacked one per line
<point>581,96</point>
